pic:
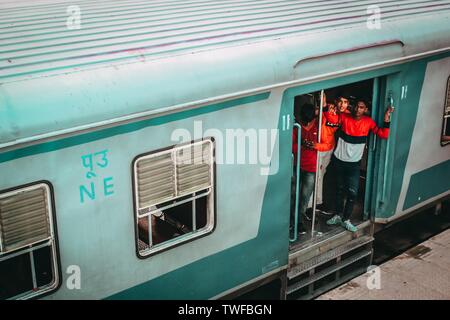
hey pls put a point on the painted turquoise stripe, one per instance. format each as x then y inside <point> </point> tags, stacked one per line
<point>202,279</point>
<point>125,128</point>
<point>420,188</point>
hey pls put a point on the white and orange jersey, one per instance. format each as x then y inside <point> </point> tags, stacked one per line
<point>353,135</point>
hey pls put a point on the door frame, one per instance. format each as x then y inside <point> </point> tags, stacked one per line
<point>377,153</point>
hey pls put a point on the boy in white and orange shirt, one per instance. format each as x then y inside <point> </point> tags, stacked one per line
<point>352,138</point>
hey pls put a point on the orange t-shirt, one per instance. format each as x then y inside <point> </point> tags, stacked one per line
<point>330,123</point>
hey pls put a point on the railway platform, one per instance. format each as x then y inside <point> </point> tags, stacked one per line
<point>421,273</point>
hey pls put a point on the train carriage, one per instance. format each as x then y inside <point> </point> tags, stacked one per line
<point>122,125</point>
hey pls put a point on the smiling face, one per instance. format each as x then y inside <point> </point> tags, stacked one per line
<point>342,104</point>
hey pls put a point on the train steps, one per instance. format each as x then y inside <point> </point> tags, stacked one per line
<point>320,267</point>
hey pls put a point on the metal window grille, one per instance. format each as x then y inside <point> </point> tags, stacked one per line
<point>170,178</point>
<point>447,102</point>
<point>26,225</point>
<point>446,124</point>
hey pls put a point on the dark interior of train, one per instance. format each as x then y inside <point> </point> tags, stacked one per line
<point>172,222</point>
<point>16,273</point>
<point>326,208</point>
<point>445,139</point>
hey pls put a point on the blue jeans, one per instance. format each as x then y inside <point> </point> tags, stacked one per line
<point>307,180</point>
<point>347,176</point>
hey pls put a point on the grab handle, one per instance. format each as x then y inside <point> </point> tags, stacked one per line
<point>297,181</point>
<point>367,46</point>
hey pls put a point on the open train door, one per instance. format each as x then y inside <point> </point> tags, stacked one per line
<point>378,202</point>
<point>323,257</point>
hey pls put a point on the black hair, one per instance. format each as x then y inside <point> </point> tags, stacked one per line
<point>363,101</point>
<point>317,96</point>
<point>307,113</point>
<point>366,103</point>
<point>343,94</point>
<point>331,95</point>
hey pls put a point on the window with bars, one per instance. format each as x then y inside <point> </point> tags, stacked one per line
<point>174,196</point>
<point>445,140</point>
<point>28,259</point>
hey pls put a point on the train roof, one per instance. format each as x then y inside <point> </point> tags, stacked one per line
<point>134,56</point>
<point>35,38</point>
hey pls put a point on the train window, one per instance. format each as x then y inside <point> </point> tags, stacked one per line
<point>445,140</point>
<point>174,196</point>
<point>28,259</point>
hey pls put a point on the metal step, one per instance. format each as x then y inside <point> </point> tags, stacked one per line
<point>299,255</point>
<point>329,255</point>
<point>322,290</point>
<point>331,236</point>
<point>298,285</point>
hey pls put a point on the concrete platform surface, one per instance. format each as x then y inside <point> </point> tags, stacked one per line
<point>421,273</point>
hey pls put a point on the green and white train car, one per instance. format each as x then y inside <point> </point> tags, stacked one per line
<point>100,101</point>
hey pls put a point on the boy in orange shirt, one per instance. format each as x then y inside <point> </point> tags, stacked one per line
<point>355,128</point>
<point>327,142</point>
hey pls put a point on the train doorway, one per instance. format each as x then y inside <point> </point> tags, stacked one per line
<point>317,177</point>
<point>323,252</point>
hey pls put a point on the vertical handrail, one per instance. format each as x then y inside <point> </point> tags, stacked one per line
<point>386,157</point>
<point>150,236</point>
<point>370,169</point>
<point>297,180</point>
<point>376,105</point>
<point>33,270</point>
<point>316,177</point>
<point>194,216</point>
